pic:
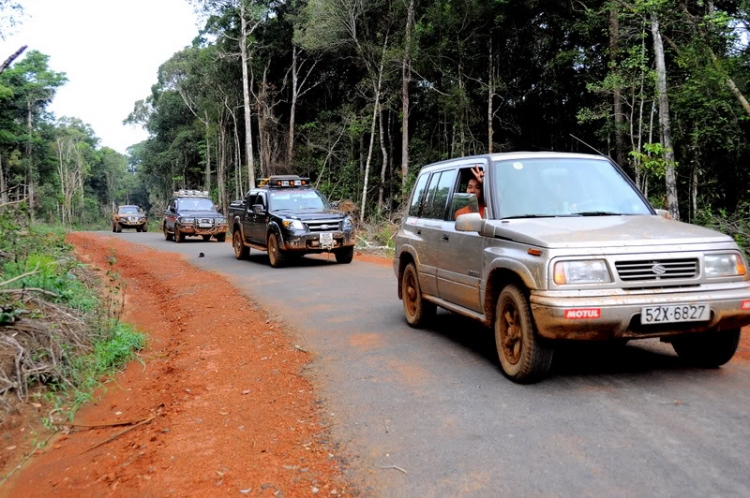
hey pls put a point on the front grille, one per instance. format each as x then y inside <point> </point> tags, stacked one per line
<point>657,269</point>
<point>210,221</point>
<point>323,225</point>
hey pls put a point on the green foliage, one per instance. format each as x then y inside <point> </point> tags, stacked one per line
<point>653,159</point>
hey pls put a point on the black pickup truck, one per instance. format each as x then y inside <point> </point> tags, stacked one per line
<point>287,217</point>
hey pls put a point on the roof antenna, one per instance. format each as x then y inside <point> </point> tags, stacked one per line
<point>587,145</point>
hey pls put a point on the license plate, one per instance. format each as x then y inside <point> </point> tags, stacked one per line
<point>204,225</point>
<point>326,239</point>
<point>675,313</point>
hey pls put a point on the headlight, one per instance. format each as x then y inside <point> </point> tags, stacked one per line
<point>222,221</point>
<point>724,265</point>
<point>187,220</point>
<point>593,271</point>
<point>294,224</point>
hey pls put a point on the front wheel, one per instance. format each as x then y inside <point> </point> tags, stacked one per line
<point>221,237</point>
<point>275,253</point>
<point>167,235</point>
<point>144,228</point>
<point>241,251</point>
<point>178,236</point>
<point>138,228</point>
<point>344,256</point>
<point>206,238</point>
<point>114,229</point>
<point>523,355</point>
<point>417,311</point>
<point>118,228</point>
<point>708,350</point>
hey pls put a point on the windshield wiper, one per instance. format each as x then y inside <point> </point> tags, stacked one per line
<point>596,213</point>
<point>530,216</point>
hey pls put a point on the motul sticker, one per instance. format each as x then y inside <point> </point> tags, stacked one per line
<point>581,314</point>
<point>746,305</point>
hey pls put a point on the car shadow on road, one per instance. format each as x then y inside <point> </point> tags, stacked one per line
<point>261,258</point>
<point>571,358</point>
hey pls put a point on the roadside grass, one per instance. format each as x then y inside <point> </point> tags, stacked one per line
<point>58,320</point>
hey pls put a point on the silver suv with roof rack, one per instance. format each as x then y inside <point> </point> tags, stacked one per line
<point>567,248</point>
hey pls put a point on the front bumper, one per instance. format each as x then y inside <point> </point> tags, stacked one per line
<point>127,223</point>
<point>194,230</point>
<point>310,242</point>
<point>620,316</point>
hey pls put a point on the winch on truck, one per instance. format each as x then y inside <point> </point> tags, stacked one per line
<point>287,217</point>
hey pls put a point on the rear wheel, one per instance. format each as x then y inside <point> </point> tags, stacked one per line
<point>241,251</point>
<point>167,235</point>
<point>417,311</point>
<point>206,238</point>
<point>221,237</point>
<point>344,256</point>
<point>523,355</point>
<point>178,236</point>
<point>275,253</point>
<point>708,350</point>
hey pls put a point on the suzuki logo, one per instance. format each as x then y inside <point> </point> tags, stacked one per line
<point>658,269</point>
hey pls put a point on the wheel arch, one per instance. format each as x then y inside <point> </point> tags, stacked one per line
<point>406,256</point>
<point>497,279</point>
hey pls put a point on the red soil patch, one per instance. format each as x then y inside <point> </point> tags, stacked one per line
<point>230,409</point>
<point>378,260</point>
<point>743,351</point>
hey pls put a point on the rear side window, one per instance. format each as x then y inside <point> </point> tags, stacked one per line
<point>438,193</point>
<point>417,197</point>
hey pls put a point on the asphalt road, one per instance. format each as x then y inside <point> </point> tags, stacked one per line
<point>428,412</point>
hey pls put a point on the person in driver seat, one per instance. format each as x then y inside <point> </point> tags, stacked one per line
<point>474,187</point>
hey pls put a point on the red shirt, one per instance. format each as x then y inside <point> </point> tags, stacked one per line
<point>467,209</point>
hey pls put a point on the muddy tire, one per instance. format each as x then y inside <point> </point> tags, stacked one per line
<point>221,237</point>
<point>275,253</point>
<point>118,228</point>
<point>708,350</point>
<point>178,236</point>
<point>167,235</point>
<point>206,238</point>
<point>344,256</point>
<point>138,228</point>
<point>416,310</point>
<point>144,227</point>
<point>114,229</point>
<point>524,355</point>
<point>241,251</point>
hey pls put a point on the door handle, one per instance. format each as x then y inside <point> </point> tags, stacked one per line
<point>445,237</point>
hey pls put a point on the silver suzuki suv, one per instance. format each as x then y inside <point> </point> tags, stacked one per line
<point>566,248</point>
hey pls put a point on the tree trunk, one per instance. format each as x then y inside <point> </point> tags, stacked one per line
<point>384,167</point>
<point>12,57</point>
<point>693,192</point>
<point>375,110</point>
<point>246,99</point>
<point>29,163</point>
<point>293,111</point>
<point>661,73</point>
<point>490,98</point>
<point>614,38</point>
<point>3,193</point>
<point>405,78</point>
<point>221,167</point>
<point>207,174</point>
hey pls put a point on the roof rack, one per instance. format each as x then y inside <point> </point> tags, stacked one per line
<point>191,193</point>
<point>284,181</point>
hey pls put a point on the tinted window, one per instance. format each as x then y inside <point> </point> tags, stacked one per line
<point>438,193</point>
<point>297,200</point>
<point>251,199</point>
<point>195,204</point>
<point>417,197</point>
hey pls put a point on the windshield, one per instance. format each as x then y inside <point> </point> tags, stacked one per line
<point>297,200</point>
<point>563,187</point>
<point>129,210</point>
<point>197,204</point>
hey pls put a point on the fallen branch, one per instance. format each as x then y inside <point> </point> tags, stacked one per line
<point>26,459</point>
<point>108,424</point>
<point>112,438</point>
<point>394,467</point>
<point>27,289</point>
<point>19,277</point>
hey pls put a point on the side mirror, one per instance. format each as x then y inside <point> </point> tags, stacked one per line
<point>664,213</point>
<point>259,209</point>
<point>469,222</point>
